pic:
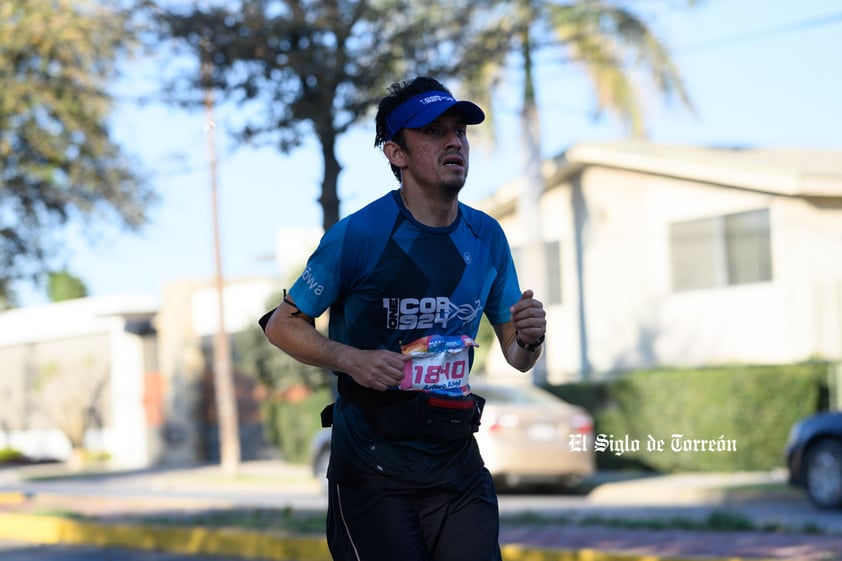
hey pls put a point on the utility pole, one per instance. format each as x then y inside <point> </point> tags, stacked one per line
<point>534,274</point>
<point>226,400</point>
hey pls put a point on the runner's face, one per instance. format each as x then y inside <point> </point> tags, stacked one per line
<point>437,154</point>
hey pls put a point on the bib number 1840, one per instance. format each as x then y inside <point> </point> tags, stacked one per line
<point>436,373</point>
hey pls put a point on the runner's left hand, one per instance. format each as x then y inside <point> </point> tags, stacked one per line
<point>529,318</point>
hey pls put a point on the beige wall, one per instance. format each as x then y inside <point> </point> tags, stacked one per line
<point>48,386</point>
<point>52,368</point>
<point>634,317</point>
<point>71,367</point>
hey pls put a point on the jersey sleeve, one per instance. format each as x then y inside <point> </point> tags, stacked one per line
<point>505,289</point>
<point>319,284</point>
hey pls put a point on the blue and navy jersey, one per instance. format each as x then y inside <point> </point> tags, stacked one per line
<point>389,280</point>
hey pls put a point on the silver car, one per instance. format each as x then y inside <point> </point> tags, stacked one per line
<point>527,436</point>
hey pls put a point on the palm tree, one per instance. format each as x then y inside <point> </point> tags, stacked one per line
<point>612,44</point>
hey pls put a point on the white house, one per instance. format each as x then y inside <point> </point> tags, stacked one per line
<point>662,255</point>
<point>126,370</point>
<point>81,362</point>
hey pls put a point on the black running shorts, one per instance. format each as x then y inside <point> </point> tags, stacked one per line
<point>456,521</point>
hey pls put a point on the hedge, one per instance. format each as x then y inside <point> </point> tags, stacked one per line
<point>729,418</point>
<point>291,425</point>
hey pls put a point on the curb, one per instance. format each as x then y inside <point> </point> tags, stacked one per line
<point>250,544</point>
<point>190,541</point>
<point>12,498</point>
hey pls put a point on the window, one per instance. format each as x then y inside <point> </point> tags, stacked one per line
<point>748,247</point>
<point>721,251</point>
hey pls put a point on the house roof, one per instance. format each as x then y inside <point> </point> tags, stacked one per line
<point>74,318</point>
<point>796,172</point>
<point>792,172</point>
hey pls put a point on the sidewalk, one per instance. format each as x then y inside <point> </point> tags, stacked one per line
<point>595,528</point>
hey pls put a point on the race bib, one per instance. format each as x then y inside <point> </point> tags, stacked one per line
<point>440,364</point>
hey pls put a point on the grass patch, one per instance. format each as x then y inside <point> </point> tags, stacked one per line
<point>728,520</point>
<point>68,514</point>
<point>290,521</point>
<point>530,518</point>
<point>778,486</point>
<point>811,528</point>
<point>286,521</point>
<point>719,520</point>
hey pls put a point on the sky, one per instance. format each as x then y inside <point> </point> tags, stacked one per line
<point>760,73</point>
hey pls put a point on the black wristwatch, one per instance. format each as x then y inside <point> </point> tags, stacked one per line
<point>531,348</point>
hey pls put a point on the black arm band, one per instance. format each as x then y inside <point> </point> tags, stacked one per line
<point>291,303</point>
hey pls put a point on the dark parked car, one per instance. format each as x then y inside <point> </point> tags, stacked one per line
<point>524,437</point>
<point>814,458</point>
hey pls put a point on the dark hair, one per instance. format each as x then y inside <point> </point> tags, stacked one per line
<point>396,94</point>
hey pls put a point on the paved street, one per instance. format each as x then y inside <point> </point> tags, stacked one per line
<point>277,486</point>
<point>599,520</point>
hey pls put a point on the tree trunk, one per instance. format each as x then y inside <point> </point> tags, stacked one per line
<point>529,204</point>
<point>76,461</point>
<point>330,194</point>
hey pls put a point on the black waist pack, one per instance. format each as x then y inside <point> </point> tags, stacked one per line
<point>425,416</point>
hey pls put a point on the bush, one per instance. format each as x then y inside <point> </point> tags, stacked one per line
<point>730,418</point>
<point>9,455</point>
<point>291,425</point>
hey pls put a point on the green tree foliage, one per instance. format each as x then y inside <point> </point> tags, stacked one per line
<point>63,285</point>
<point>71,394</point>
<point>289,423</point>
<point>486,341</point>
<point>57,158</point>
<point>302,67</point>
<point>256,357</point>
<point>8,299</point>
<point>611,41</point>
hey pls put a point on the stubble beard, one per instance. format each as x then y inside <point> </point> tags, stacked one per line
<point>450,188</point>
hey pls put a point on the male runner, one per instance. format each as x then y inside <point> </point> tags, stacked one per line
<point>406,280</point>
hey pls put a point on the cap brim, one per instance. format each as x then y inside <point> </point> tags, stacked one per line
<point>471,112</point>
